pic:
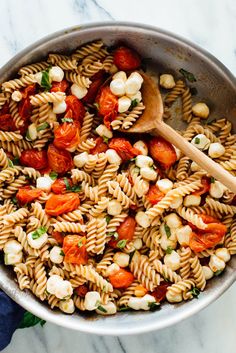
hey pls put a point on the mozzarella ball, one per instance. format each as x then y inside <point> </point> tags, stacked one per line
<point>168,232</point>
<point>201,110</point>
<point>132,86</point>
<point>92,300</point>
<point>136,75</point>
<point>37,243</point>
<point>103,131</point>
<point>137,243</point>
<point>123,104</point>
<point>164,185</point>
<point>56,255</point>
<point>174,298</point>
<point>12,247</point>
<point>16,96</point>
<point>78,91</point>
<point>80,159</point>
<point>148,173</point>
<point>217,189</point>
<point>166,243</point>
<point>67,306</point>
<point>114,208</point>
<point>44,183</point>
<point>56,74</point>
<point>201,142</point>
<point>192,200</point>
<point>38,77</point>
<point>52,283</point>
<point>167,81</point>
<point>32,133</point>
<point>143,161</point>
<point>137,96</point>
<point>113,157</point>
<point>195,167</point>
<point>64,290</point>
<point>13,259</point>
<point>146,300</point>
<point>216,264</point>
<point>59,107</point>
<point>177,201</point>
<point>134,303</point>
<point>142,147</point>
<point>117,87</point>
<point>142,219</point>
<point>141,188</point>
<point>172,260</point>
<point>120,75</point>
<point>108,309</point>
<point>208,273</point>
<point>173,221</point>
<point>183,235</point>
<point>216,150</point>
<point>223,254</point>
<point>112,269</point>
<point>121,259</point>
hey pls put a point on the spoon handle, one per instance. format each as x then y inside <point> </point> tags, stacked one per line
<point>206,163</point>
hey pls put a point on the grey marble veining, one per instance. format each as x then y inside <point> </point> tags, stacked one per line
<point>209,23</point>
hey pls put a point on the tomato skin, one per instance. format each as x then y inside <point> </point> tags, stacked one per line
<point>81,290</point>
<point>59,86</point>
<point>107,102</point>
<point>7,123</point>
<point>59,160</point>
<point>125,231</point>
<point>100,147</point>
<point>59,186</point>
<point>67,135</point>
<point>121,279</point>
<point>93,89</point>
<point>58,236</point>
<point>34,158</point>
<point>206,184</point>
<point>29,90</point>
<point>162,151</point>
<point>160,291</point>
<point>154,195</point>
<point>26,195</point>
<point>76,107</point>
<point>59,204</point>
<point>126,59</point>
<point>24,110</point>
<point>124,148</point>
<point>73,253</point>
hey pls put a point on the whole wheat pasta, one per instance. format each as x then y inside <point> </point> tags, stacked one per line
<point>4,162</point>
<point>69,227</point>
<point>187,105</point>
<point>89,70</point>
<point>175,93</point>
<point>185,265</point>
<point>86,126</point>
<point>62,61</point>
<point>80,80</point>
<point>33,68</point>
<point>85,146</point>
<point>198,274</point>
<point>87,49</point>
<point>127,294</point>
<point>164,270</point>
<point>48,97</point>
<point>132,116</point>
<point>115,190</point>
<point>10,136</point>
<point>18,83</point>
<point>180,287</point>
<point>13,109</point>
<point>100,165</point>
<point>191,217</point>
<point>220,207</point>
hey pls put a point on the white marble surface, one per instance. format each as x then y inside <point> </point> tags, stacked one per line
<point>209,23</point>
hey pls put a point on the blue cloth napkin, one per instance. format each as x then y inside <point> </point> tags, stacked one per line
<point>10,316</point>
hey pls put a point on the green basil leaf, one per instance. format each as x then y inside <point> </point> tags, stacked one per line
<point>108,218</point>
<point>195,292</point>
<point>53,175</point>
<point>153,306</point>
<point>197,140</point>
<point>105,139</point>
<point>14,200</point>
<point>67,120</point>
<point>124,308</point>
<point>101,308</point>
<point>43,126</point>
<point>62,253</point>
<point>169,250</point>
<point>212,180</point>
<point>30,320</point>
<point>133,104</point>
<point>167,230</point>
<point>16,161</point>
<point>75,188</point>
<point>218,273</point>
<point>39,232</point>
<point>68,187</point>
<point>121,244</point>
<point>10,163</point>
<point>113,234</point>
<point>45,81</point>
<point>188,75</point>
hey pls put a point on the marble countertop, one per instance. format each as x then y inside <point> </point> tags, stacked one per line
<point>209,23</point>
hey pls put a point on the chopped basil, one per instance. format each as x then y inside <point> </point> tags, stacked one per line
<point>217,273</point>
<point>74,188</point>
<point>67,120</point>
<point>105,139</point>
<point>108,218</point>
<point>68,187</point>
<point>167,230</point>
<point>195,292</point>
<point>27,136</point>
<point>121,244</point>
<point>169,250</point>
<point>133,104</point>
<point>30,320</point>
<point>45,81</point>
<point>38,232</point>
<point>113,234</point>
<point>62,253</point>
<point>10,163</point>
<point>53,175</point>
<point>14,200</point>
<point>16,161</point>
<point>101,308</point>
<point>188,75</point>
<point>212,180</point>
<point>80,243</point>
<point>197,140</point>
<point>153,306</point>
<point>124,308</point>
<point>42,126</point>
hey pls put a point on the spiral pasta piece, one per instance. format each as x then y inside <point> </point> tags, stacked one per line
<point>187,105</point>
<point>67,227</point>
<point>18,83</point>
<point>47,97</point>
<point>132,116</point>
<point>80,80</point>
<point>198,274</point>
<point>191,217</point>
<point>220,207</point>
<point>185,266</point>
<point>175,93</point>
<point>62,61</point>
<point>164,270</point>
<point>115,190</point>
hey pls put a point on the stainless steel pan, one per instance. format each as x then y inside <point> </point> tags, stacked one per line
<point>165,52</point>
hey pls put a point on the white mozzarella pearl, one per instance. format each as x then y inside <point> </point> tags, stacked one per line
<point>52,283</point>
<point>174,298</point>
<point>92,300</point>
<point>192,200</point>
<point>183,235</point>
<point>44,183</point>
<point>142,219</point>
<point>176,202</point>
<point>201,110</point>
<point>216,264</point>
<point>145,302</point>
<point>148,173</point>
<point>164,185</point>
<point>112,269</point>
<point>114,208</point>
<point>167,81</point>
<point>56,255</point>
<point>137,243</point>
<point>16,96</point>
<point>56,74</point>
<point>117,87</point>
<point>80,159</point>
<point>172,260</point>
<point>201,142</point>
<point>141,188</point>
<point>120,75</point>
<point>195,167</point>
<point>121,259</point>
<point>113,157</point>
<point>109,309</point>
<point>78,91</point>
<point>123,104</point>
<point>63,290</point>
<point>59,107</point>
<point>132,86</point>
<point>38,77</point>
<point>223,254</point>
<point>12,247</point>
<point>208,273</point>
<point>142,147</point>
<point>136,75</point>
<point>217,189</point>
<point>173,220</point>
<point>13,259</point>
<point>67,306</point>
<point>143,161</point>
<point>216,150</point>
<point>137,96</point>
<point>103,131</point>
<point>32,133</point>
<point>37,243</point>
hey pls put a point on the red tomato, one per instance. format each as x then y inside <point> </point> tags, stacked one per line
<point>7,123</point>
<point>29,90</point>
<point>59,186</point>
<point>154,195</point>
<point>34,158</point>
<point>206,219</point>
<point>93,90</point>
<point>204,239</point>
<point>67,136</point>
<point>76,107</point>
<point>5,109</point>
<point>58,236</point>
<point>124,148</point>
<point>125,231</point>
<point>24,110</point>
<point>59,160</point>
<point>162,151</point>
<point>75,250</point>
<point>121,279</point>
<point>206,183</point>
<point>100,147</point>
<point>81,290</point>
<point>107,102</point>
<point>26,195</point>
<point>59,86</point>
<point>160,291</point>
<point>126,59</point>
<point>59,204</point>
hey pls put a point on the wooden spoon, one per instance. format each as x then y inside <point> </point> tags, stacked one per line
<point>151,122</point>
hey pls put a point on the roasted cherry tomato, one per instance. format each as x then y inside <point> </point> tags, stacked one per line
<point>58,236</point>
<point>160,291</point>
<point>93,89</point>
<point>107,105</point>
<point>206,184</point>
<point>206,219</point>
<point>7,123</point>
<point>75,250</point>
<point>124,148</point>
<point>26,195</point>
<point>34,158</point>
<point>60,185</point>
<point>5,109</point>
<point>100,146</point>
<point>74,108</point>
<point>121,279</point>
<point>126,59</point>
<point>82,290</point>
<point>67,136</point>
<point>59,204</point>
<point>154,195</point>
<point>162,151</point>
<point>125,231</point>
<point>59,86</point>
<point>29,90</point>
<point>59,160</point>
